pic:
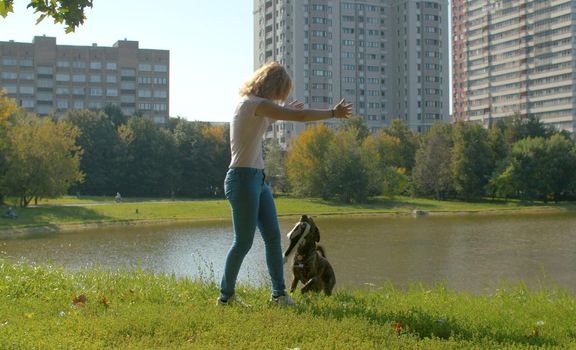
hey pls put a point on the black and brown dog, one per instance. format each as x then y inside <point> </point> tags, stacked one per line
<point>309,265</point>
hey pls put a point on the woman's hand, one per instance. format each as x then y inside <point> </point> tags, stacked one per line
<point>342,109</point>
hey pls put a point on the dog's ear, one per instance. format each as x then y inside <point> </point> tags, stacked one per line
<point>315,230</point>
<point>316,233</point>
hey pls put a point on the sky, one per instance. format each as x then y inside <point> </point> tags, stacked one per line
<point>210,44</point>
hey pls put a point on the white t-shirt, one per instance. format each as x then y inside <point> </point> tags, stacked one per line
<point>246,132</point>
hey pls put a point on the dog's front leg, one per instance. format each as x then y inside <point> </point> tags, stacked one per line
<point>309,285</point>
<point>294,284</point>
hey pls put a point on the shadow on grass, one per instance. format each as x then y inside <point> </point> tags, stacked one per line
<point>417,322</point>
<point>44,217</point>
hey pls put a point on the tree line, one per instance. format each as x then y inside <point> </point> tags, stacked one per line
<point>515,157</point>
<point>89,152</point>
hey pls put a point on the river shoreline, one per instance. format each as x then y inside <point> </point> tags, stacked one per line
<point>39,229</point>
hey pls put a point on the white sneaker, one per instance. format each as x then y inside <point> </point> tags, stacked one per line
<point>283,300</point>
<point>233,301</point>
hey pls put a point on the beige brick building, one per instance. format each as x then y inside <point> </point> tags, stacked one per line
<point>48,78</point>
<point>514,57</point>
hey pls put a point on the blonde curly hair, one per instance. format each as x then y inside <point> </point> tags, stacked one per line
<point>270,81</point>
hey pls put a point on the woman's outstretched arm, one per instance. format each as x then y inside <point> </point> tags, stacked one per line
<point>269,109</point>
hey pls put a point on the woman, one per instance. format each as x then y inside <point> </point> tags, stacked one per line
<point>249,196</point>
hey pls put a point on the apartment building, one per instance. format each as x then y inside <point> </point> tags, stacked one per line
<point>389,58</point>
<point>514,57</point>
<point>47,78</point>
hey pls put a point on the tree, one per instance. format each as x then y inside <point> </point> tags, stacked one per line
<point>408,143</point>
<point>115,115</point>
<point>395,181</point>
<point>69,12</point>
<point>305,163</point>
<point>472,160</point>
<point>99,141</point>
<point>560,165</point>
<point>525,173</point>
<point>347,176</point>
<point>382,154</point>
<point>213,158</point>
<point>42,158</point>
<point>497,140</point>
<point>541,168</point>
<point>432,174</point>
<point>7,108</point>
<point>147,165</point>
<point>357,124</point>
<point>520,127</point>
<point>275,164</point>
<point>204,155</point>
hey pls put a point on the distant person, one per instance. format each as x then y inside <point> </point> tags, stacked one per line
<point>10,213</point>
<point>118,197</point>
<point>249,196</point>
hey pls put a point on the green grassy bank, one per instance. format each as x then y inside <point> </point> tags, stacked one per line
<point>93,210</point>
<point>48,308</point>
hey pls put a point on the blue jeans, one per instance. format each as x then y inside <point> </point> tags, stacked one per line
<point>252,206</point>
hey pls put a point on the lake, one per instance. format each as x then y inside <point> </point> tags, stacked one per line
<point>475,253</point>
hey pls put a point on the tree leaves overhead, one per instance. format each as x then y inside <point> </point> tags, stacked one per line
<point>68,12</point>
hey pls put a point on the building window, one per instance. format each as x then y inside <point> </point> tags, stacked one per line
<point>27,103</point>
<point>26,76</point>
<point>127,98</point>
<point>161,68</point>
<point>25,89</point>
<point>111,65</point>
<point>144,93</point>
<point>44,83</point>
<point>62,64</point>
<point>78,78</point>
<point>95,92</point>
<point>8,61</point>
<point>26,63</point>
<point>62,77</point>
<point>95,65</point>
<point>127,85</point>
<point>44,70</point>
<point>145,67</point>
<point>9,75</point>
<point>128,72</point>
<point>78,91</point>
<point>95,105</point>
<point>160,93</point>
<point>112,92</point>
<point>11,89</point>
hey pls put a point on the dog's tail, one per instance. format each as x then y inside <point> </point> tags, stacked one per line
<point>321,250</point>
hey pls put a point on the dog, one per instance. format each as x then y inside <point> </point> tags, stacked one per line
<point>309,264</point>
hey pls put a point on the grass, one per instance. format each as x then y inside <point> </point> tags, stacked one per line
<point>88,210</point>
<point>42,308</point>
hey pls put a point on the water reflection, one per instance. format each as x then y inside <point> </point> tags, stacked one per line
<point>474,253</point>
